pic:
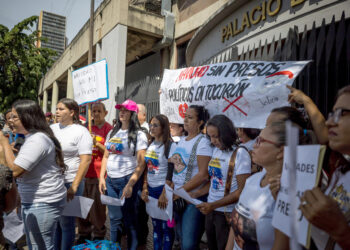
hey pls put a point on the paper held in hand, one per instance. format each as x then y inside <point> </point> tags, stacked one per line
<point>163,214</point>
<point>108,200</point>
<point>183,194</point>
<point>78,207</point>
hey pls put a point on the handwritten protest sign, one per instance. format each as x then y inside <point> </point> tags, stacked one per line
<point>90,83</point>
<point>308,166</point>
<point>245,91</point>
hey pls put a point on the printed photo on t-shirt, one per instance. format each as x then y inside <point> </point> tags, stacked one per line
<point>215,173</point>
<point>244,230</point>
<point>179,163</point>
<point>152,162</point>
<point>115,145</point>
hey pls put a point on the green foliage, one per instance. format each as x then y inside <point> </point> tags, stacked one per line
<point>22,64</point>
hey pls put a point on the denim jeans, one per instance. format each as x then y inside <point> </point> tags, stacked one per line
<point>40,222</point>
<point>190,226</point>
<point>126,214</point>
<point>65,233</point>
<point>163,236</point>
<point>217,230</point>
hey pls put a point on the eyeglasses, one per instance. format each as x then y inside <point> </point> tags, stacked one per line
<point>260,140</point>
<point>336,114</point>
<point>153,125</point>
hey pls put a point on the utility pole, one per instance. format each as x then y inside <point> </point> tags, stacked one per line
<point>91,42</point>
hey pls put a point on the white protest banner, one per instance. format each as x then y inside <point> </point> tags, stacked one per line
<point>90,83</point>
<point>308,166</point>
<point>245,91</point>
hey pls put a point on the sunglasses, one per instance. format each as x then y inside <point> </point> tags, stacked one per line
<point>260,140</point>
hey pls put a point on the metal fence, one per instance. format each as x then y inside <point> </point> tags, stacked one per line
<point>327,46</point>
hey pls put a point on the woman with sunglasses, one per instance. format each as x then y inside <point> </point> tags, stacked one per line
<point>124,162</point>
<point>39,168</point>
<point>252,229</point>
<point>76,143</point>
<point>222,196</point>
<point>190,158</point>
<point>156,159</point>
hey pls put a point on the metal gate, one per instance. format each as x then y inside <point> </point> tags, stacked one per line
<point>144,91</point>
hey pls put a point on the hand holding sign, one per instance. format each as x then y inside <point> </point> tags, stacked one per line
<point>323,212</point>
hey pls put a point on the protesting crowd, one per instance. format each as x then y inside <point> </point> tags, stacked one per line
<point>46,163</point>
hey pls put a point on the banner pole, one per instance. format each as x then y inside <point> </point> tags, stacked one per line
<point>89,117</point>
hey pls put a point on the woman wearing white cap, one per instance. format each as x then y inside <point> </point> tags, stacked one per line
<point>124,162</point>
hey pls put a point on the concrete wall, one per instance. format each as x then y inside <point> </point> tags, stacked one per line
<point>113,48</point>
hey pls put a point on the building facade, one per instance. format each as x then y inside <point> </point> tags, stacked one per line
<point>139,44</point>
<point>52,27</point>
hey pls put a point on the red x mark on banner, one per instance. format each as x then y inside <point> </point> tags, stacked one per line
<point>232,103</point>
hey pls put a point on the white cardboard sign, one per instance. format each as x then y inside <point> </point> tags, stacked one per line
<point>308,170</point>
<point>245,91</point>
<point>90,83</point>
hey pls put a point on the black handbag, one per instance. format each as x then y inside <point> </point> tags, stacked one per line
<point>179,205</point>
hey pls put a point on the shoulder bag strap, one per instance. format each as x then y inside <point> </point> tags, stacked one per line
<point>191,160</point>
<point>231,167</point>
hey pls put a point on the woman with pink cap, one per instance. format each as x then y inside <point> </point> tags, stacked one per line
<point>124,163</point>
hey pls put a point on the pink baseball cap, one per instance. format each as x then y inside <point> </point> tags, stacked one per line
<point>129,105</point>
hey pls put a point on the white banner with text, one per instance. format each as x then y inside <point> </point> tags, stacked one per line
<point>245,91</point>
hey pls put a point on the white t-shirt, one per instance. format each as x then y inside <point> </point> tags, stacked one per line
<point>249,144</point>
<point>339,190</point>
<point>75,140</point>
<point>157,164</point>
<point>176,139</point>
<point>145,125</point>
<point>252,217</point>
<point>218,168</point>
<point>43,180</point>
<point>180,156</point>
<point>122,161</point>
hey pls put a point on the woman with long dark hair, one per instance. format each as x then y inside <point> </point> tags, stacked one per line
<point>124,163</point>
<point>228,163</point>
<point>156,159</point>
<point>40,166</point>
<point>76,143</point>
<point>190,159</point>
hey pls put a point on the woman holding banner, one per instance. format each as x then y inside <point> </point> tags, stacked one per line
<point>124,163</point>
<point>39,164</point>
<point>228,169</point>
<point>157,163</point>
<point>190,159</point>
<point>76,143</point>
